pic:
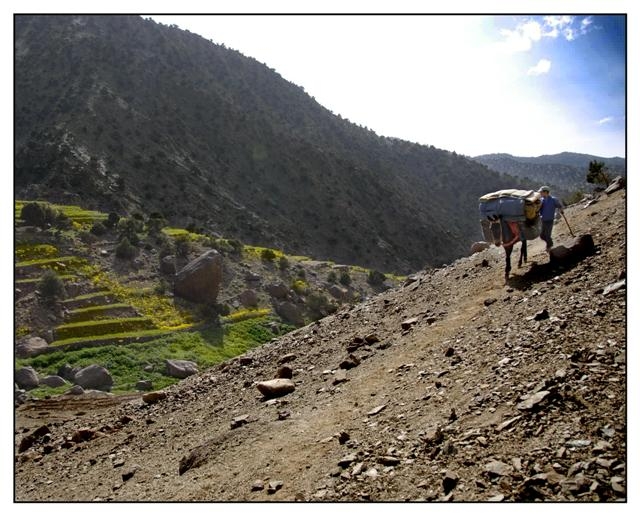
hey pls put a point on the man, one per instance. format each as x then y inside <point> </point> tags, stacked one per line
<point>547,214</point>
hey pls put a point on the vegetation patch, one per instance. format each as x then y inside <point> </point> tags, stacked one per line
<point>259,252</point>
<point>102,327</point>
<point>109,339</point>
<point>243,315</point>
<point>126,364</point>
<point>28,252</point>
<point>97,312</point>
<point>63,277</point>
<point>160,309</point>
<point>58,264</point>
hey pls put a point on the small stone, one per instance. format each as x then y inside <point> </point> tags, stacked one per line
<point>276,388</point>
<point>449,352</point>
<point>497,468</point>
<point>578,443</point>
<point>289,357</point>
<point>347,459</point>
<point>408,323</point>
<point>449,481</point>
<point>127,475</point>
<point>389,460</point>
<point>258,485</point>
<point>507,424</point>
<point>153,397</point>
<point>283,414</point>
<point>285,371</point>
<point>541,315</point>
<point>340,377</point>
<point>274,486</point>
<point>496,498</point>
<point>489,301</point>
<point>239,421</point>
<point>376,410</point>
<point>533,400</point>
<point>350,362</point>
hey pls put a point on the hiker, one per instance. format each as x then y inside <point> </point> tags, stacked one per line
<point>547,214</point>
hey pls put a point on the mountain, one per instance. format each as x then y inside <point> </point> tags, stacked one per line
<point>566,171</point>
<point>122,114</point>
<point>453,387</point>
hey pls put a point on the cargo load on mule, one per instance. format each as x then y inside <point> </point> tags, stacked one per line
<point>508,217</point>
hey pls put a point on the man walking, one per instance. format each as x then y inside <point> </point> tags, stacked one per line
<point>547,214</point>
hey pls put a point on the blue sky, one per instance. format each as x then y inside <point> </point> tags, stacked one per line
<point>474,84</point>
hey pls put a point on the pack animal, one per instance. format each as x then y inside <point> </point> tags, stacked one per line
<point>509,217</point>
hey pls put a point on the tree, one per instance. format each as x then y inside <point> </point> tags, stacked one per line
<point>51,287</point>
<point>598,173</point>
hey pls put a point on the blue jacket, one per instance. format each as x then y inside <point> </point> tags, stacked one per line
<point>548,209</point>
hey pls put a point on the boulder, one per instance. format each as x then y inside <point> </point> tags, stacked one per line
<point>27,378</point>
<point>248,298</point>
<point>581,247</point>
<point>67,372</point>
<point>290,313</point>
<point>276,388</point>
<point>277,290</point>
<point>615,185</point>
<point>31,347</point>
<point>153,397</point>
<point>53,381</point>
<point>477,247</point>
<point>94,377</point>
<point>180,368</point>
<point>338,292</point>
<point>144,385</point>
<point>199,280</point>
<point>168,265</point>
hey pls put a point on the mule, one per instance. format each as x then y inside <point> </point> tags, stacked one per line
<point>508,234</point>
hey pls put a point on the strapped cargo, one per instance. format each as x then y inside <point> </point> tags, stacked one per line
<point>520,206</point>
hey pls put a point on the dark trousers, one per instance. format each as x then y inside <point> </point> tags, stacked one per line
<point>545,233</point>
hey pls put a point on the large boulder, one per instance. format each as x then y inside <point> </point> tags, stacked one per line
<point>199,280</point>
<point>278,290</point>
<point>180,368</point>
<point>339,292</point>
<point>27,378</point>
<point>248,298</point>
<point>290,313</point>
<point>53,381</point>
<point>30,347</point>
<point>581,247</point>
<point>94,377</point>
<point>615,185</point>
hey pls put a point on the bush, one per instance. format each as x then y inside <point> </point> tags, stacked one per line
<point>129,229</point>
<point>112,220</point>
<point>236,246</point>
<point>39,214</point>
<point>162,287</point>
<point>283,263</point>
<point>183,246</point>
<point>300,287</point>
<point>155,223</point>
<point>267,255</point>
<point>51,287</point>
<point>98,229</point>
<point>319,306</point>
<point>376,278</point>
<point>125,250</point>
<point>332,277</point>
<point>345,279</point>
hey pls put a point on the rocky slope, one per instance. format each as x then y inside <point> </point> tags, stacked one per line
<point>453,387</point>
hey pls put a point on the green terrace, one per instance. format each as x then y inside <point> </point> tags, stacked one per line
<point>102,327</point>
<point>63,277</point>
<point>58,263</point>
<point>98,312</point>
<point>75,213</point>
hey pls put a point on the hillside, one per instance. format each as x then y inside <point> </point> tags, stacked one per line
<point>565,172</point>
<point>118,113</point>
<point>453,387</point>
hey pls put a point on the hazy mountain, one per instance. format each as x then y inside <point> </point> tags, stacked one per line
<point>566,171</point>
<point>129,115</point>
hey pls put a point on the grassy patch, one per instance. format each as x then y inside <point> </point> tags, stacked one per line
<point>256,252</point>
<point>63,277</point>
<point>162,310</point>
<point>243,315</point>
<point>27,252</point>
<point>109,339</point>
<point>52,263</point>
<point>126,363</point>
<point>95,312</point>
<point>102,327</point>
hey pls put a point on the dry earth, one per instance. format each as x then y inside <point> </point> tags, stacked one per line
<point>454,387</point>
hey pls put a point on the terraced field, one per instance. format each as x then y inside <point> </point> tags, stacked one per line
<point>115,322</point>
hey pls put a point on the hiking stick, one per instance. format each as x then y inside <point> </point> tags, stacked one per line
<point>565,219</point>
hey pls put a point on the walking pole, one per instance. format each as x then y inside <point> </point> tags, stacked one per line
<point>565,219</point>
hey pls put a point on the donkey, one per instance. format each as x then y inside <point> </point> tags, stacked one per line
<point>507,234</point>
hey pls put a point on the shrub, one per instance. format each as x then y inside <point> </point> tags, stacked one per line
<point>126,250</point>
<point>161,287</point>
<point>155,224</point>
<point>51,287</point>
<point>300,286</point>
<point>129,229</point>
<point>319,306</point>
<point>283,263</point>
<point>39,214</point>
<point>267,255</point>
<point>301,273</point>
<point>345,279</point>
<point>87,237</point>
<point>332,277</point>
<point>376,278</point>
<point>183,246</point>
<point>236,246</point>
<point>112,220</point>
<point>98,229</point>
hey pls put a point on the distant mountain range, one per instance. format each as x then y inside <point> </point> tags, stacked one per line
<point>566,171</point>
<point>123,114</point>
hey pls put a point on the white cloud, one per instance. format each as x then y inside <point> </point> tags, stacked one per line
<point>522,37</point>
<point>543,66</point>
<point>605,120</point>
